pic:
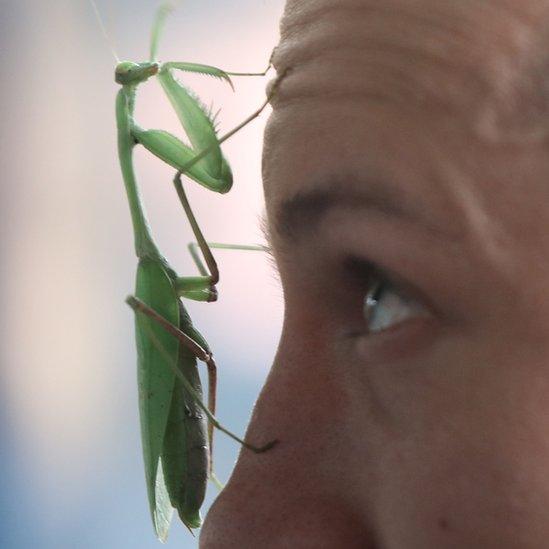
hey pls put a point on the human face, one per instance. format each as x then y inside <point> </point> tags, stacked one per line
<point>409,137</point>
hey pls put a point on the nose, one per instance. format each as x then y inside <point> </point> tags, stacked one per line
<point>297,494</point>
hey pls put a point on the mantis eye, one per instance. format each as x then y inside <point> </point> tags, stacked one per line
<point>386,307</point>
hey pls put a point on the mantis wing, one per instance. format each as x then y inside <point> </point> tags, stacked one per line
<point>185,456</point>
<point>156,383</point>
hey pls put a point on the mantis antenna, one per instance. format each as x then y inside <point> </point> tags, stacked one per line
<point>104,30</point>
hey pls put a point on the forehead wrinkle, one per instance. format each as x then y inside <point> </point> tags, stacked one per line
<point>488,65</point>
<point>298,17</point>
<point>466,17</point>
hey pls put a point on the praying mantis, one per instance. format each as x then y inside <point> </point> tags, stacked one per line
<point>176,441</point>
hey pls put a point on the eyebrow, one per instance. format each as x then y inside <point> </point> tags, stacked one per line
<point>303,212</point>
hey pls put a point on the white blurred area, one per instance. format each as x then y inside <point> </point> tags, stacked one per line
<point>71,454</point>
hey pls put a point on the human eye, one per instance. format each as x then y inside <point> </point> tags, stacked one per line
<point>386,306</point>
<point>386,300</point>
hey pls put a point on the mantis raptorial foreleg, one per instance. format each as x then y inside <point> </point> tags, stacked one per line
<point>202,154</point>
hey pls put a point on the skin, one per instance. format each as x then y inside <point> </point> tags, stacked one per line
<point>431,115</point>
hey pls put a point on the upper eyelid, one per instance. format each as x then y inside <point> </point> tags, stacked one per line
<point>362,271</point>
<point>357,266</point>
<point>365,271</point>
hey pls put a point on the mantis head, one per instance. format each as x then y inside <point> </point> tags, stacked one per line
<point>134,73</point>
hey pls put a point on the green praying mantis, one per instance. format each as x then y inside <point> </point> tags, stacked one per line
<point>176,440</point>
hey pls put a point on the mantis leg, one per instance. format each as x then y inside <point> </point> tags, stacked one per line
<point>192,247</point>
<point>197,288</point>
<point>202,244</point>
<point>190,287</point>
<point>205,248</point>
<point>263,73</point>
<point>138,306</point>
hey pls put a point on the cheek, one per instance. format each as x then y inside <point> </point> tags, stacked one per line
<point>445,448</point>
<point>460,447</point>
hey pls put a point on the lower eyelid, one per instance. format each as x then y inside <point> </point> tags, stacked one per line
<point>374,304</point>
<point>399,342</point>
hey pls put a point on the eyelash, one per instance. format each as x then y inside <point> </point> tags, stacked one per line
<point>362,273</point>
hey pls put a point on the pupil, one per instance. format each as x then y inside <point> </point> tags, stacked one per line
<point>372,299</point>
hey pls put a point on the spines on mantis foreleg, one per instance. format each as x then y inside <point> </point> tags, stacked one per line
<point>196,121</point>
<point>198,68</point>
<point>206,151</point>
<point>174,152</point>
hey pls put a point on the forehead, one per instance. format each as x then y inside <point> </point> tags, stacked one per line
<point>408,90</point>
<point>467,35</point>
<point>453,55</point>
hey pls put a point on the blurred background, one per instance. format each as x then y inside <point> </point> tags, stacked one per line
<point>72,473</point>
